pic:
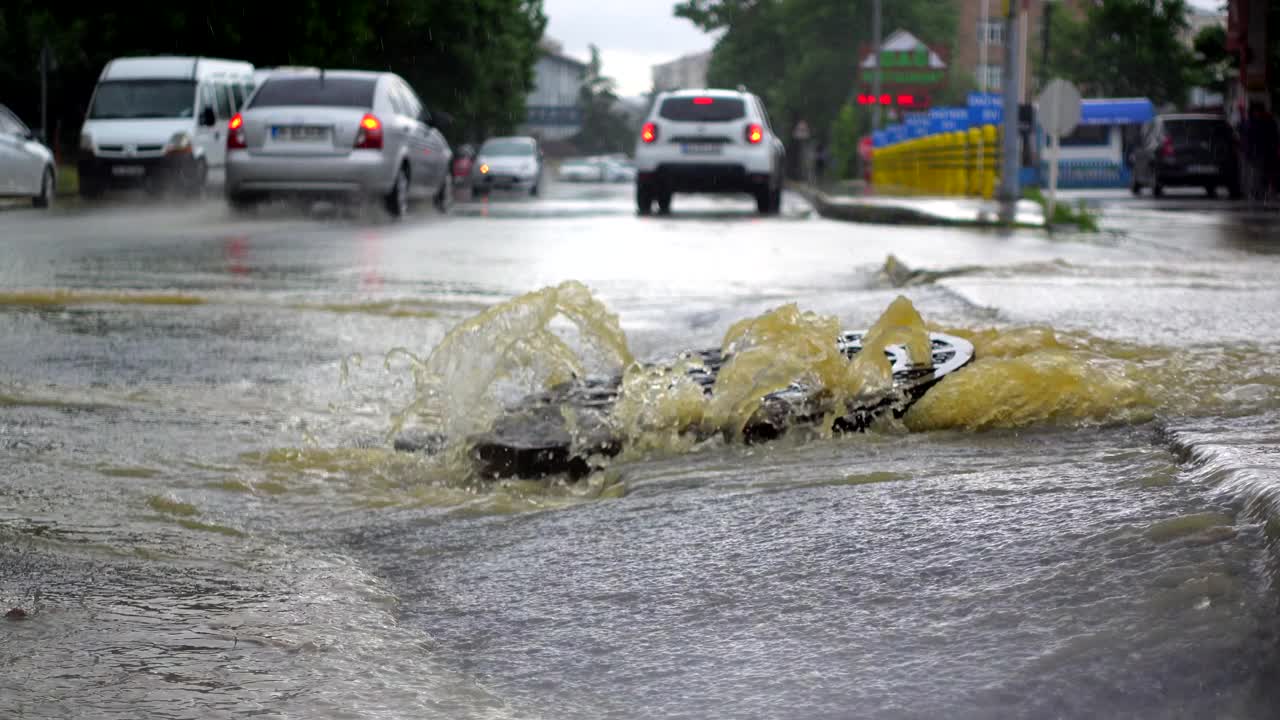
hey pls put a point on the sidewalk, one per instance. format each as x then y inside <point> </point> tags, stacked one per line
<point>851,206</point>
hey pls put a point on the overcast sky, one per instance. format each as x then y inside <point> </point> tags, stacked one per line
<point>634,35</point>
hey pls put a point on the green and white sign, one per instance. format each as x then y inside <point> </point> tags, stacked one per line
<point>903,60</point>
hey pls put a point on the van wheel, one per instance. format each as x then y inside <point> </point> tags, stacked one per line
<point>194,187</point>
<point>91,189</point>
<point>48,189</point>
<point>397,201</point>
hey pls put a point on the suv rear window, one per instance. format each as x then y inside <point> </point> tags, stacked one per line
<point>1197,130</point>
<point>703,109</point>
<point>315,90</point>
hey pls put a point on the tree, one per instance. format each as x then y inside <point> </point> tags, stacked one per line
<point>1212,59</point>
<point>801,56</point>
<point>1126,48</point>
<point>604,129</point>
<point>471,59</point>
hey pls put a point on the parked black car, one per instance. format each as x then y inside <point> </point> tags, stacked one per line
<point>1186,151</point>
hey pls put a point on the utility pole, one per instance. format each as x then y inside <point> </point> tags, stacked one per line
<point>875,52</point>
<point>1044,47</point>
<point>1009,191</point>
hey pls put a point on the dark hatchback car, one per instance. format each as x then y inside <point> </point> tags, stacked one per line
<point>1186,151</point>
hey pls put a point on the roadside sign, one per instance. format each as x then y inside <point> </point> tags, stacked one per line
<point>1059,108</point>
<point>917,124</point>
<point>948,119</point>
<point>985,109</point>
<point>1059,115</point>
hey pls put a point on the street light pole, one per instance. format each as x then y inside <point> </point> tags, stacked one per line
<point>875,53</point>
<point>1009,151</point>
<point>1044,48</point>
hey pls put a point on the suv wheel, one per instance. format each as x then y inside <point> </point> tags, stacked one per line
<point>644,199</point>
<point>1157,190</point>
<point>768,200</point>
<point>664,203</point>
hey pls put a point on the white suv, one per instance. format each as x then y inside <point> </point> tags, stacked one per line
<point>708,141</point>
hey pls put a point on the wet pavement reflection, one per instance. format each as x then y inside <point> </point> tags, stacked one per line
<point>202,514</point>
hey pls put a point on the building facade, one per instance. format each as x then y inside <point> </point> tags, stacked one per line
<point>689,71</point>
<point>981,45</point>
<point>551,110</point>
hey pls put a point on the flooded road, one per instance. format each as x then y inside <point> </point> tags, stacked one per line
<point>202,516</point>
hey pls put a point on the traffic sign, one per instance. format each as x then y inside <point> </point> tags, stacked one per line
<point>985,109</point>
<point>1059,115</point>
<point>1059,108</point>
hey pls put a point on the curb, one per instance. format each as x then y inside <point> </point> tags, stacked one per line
<point>850,209</point>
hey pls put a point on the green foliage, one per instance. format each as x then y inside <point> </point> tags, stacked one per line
<point>1212,61</point>
<point>604,129</point>
<point>801,56</point>
<point>1080,216</point>
<point>849,126</point>
<point>471,59</point>
<point>1126,48</point>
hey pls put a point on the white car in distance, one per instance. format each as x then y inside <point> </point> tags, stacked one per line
<point>708,141</point>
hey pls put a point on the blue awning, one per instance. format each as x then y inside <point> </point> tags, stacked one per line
<point>1116,111</point>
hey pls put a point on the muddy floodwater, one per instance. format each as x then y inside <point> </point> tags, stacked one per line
<point>202,514</point>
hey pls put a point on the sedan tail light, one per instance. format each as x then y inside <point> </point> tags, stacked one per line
<point>649,133</point>
<point>235,133</point>
<point>369,137</point>
<point>754,134</point>
<point>1166,148</point>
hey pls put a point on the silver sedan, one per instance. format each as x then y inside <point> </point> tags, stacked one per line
<point>26,165</point>
<point>338,134</point>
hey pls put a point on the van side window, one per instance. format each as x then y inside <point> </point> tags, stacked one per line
<point>237,96</point>
<point>206,99</point>
<point>224,100</point>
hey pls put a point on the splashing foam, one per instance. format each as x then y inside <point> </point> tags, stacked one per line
<point>529,343</point>
<point>1024,376</point>
<point>1020,376</point>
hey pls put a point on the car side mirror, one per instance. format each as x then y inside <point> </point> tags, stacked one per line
<point>208,118</point>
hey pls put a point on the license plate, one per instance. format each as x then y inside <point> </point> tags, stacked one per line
<point>700,149</point>
<point>299,133</point>
<point>128,170</point>
<point>1202,169</point>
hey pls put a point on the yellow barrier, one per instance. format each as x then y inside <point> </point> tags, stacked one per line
<point>953,163</point>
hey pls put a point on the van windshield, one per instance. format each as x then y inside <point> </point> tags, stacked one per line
<point>144,99</point>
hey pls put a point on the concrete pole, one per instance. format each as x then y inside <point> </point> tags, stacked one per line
<point>1009,191</point>
<point>875,52</point>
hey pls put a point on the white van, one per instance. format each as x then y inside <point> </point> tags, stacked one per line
<point>160,122</point>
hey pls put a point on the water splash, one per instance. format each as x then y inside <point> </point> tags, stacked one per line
<point>499,356</point>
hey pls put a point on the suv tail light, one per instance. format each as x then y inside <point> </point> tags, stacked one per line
<point>754,134</point>
<point>235,133</point>
<point>649,133</point>
<point>369,137</point>
<point>1166,148</point>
